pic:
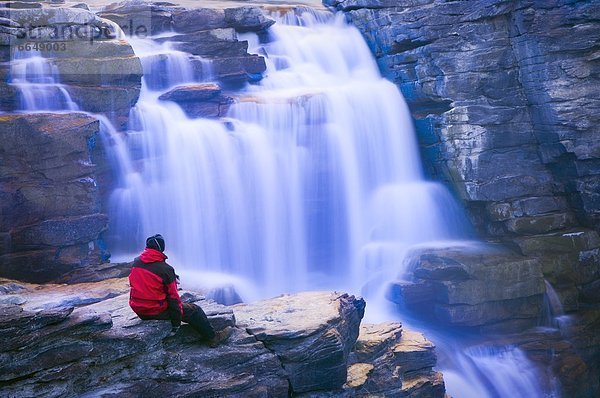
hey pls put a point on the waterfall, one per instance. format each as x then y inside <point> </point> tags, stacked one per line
<point>315,175</point>
<point>488,371</point>
<point>312,181</point>
<point>38,85</point>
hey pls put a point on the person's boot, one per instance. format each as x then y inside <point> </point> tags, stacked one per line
<point>220,337</point>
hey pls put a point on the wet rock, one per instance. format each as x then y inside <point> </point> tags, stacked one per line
<point>141,19</point>
<point>117,101</point>
<point>59,232</point>
<point>571,241</point>
<point>83,339</point>
<point>192,92</point>
<point>124,71</point>
<point>590,293</point>
<point>557,351</point>
<point>235,71</point>
<point>200,100</point>
<point>312,334</point>
<point>502,94</point>
<point>247,19</point>
<point>50,201</point>
<point>393,362</point>
<point>215,43</point>
<point>541,224</point>
<point>477,286</point>
<point>83,6</point>
<point>20,5</point>
<point>188,21</point>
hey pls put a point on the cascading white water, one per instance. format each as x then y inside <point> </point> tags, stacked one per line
<point>38,85</point>
<point>315,177</point>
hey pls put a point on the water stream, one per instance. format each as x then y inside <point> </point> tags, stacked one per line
<point>312,181</point>
<point>38,85</point>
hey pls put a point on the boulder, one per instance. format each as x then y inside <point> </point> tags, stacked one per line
<point>481,286</point>
<point>247,19</point>
<point>199,100</point>
<point>408,355</point>
<point>233,71</point>
<point>188,21</point>
<point>141,19</point>
<point>83,339</point>
<point>214,43</point>
<point>312,334</point>
<point>192,93</point>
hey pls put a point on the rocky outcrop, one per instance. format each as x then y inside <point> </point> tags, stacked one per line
<point>479,286</point>
<point>409,357</point>
<point>568,354</point>
<point>504,95</point>
<point>74,340</point>
<point>50,221</point>
<point>207,33</point>
<point>100,71</point>
<point>505,101</point>
<point>322,326</point>
<point>199,100</point>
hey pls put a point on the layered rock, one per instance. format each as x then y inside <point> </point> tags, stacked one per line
<point>207,33</point>
<point>199,100</point>
<point>409,357</point>
<point>100,71</point>
<point>73,340</point>
<point>322,326</point>
<point>567,356</point>
<point>505,101</point>
<point>480,286</point>
<point>504,98</point>
<point>51,220</point>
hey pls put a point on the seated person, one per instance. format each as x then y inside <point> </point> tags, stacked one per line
<point>154,294</point>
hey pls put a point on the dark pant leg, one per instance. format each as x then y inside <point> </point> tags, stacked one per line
<point>194,315</point>
<point>163,316</point>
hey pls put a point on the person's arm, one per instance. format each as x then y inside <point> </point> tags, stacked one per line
<point>174,303</point>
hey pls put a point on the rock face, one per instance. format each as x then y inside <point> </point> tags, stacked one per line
<point>76,340</point>
<point>50,220</point>
<point>505,98</point>
<point>570,353</point>
<point>505,101</point>
<point>199,100</point>
<point>311,333</point>
<point>478,286</point>
<point>409,356</point>
<point>210,34</point>
<point>100,72</point>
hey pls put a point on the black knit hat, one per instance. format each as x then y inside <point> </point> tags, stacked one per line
<point>156,242</point>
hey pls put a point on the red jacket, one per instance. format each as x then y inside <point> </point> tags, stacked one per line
<point>154,286</point>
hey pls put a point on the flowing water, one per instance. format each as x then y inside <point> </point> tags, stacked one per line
<point>312,181</point>
<point>38,85</point>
